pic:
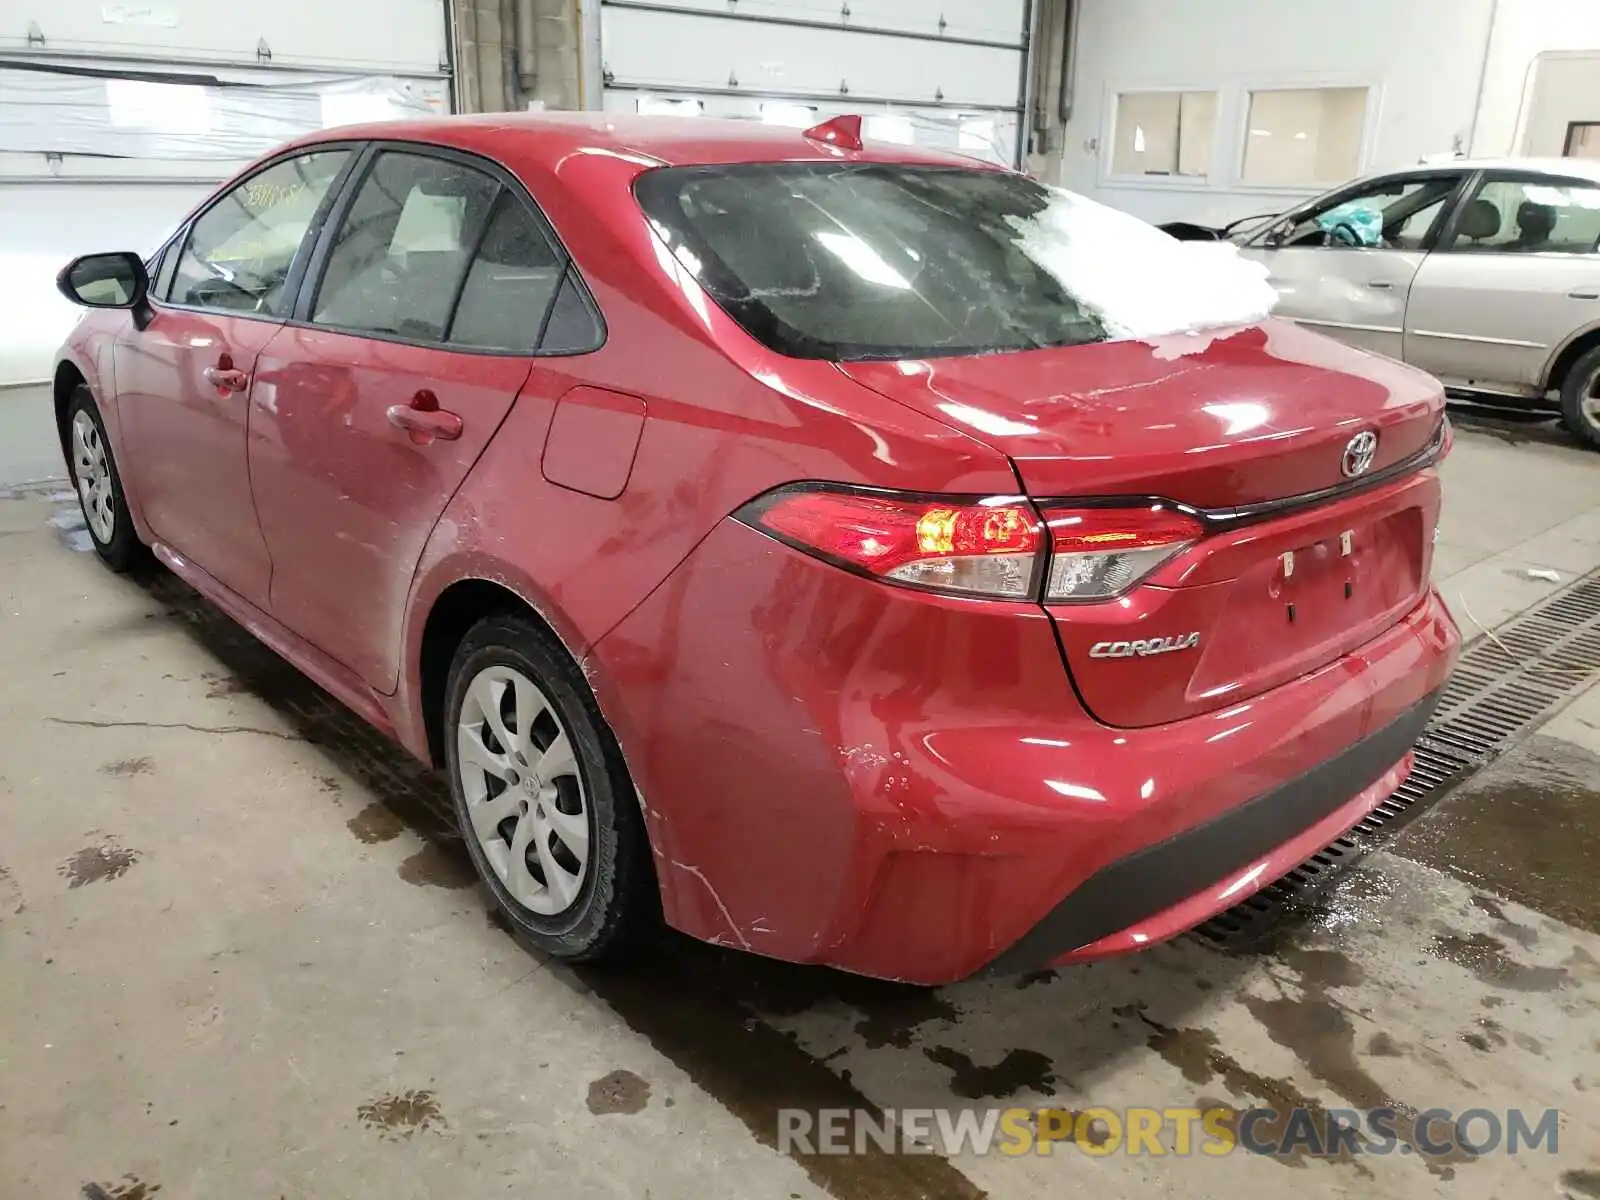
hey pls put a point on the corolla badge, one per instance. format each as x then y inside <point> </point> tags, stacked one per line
<point>1144,649</point>
<point>1359,453</point>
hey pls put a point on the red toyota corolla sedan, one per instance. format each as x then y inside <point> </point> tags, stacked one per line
<point>768,533</point>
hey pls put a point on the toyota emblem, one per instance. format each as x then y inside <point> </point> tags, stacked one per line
<point>1358,455</point>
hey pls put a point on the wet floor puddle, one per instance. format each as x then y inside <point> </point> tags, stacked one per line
<point>1527,828</point>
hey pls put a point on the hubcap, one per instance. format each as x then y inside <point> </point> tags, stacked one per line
<point>524,794</point>
<point>93,472</point>
<point>1590,404</point>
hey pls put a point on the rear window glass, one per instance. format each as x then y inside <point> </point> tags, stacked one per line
<point>851,261</point>
<point>510,284</point>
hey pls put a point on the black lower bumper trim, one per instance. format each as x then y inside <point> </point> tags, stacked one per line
<point>1152,880</point>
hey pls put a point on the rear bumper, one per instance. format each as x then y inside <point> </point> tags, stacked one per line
<point>906,786</point>
<point>1167,888</point>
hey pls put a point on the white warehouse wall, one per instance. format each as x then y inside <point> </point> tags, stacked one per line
<point>1524,29</point>
<point>1422,58</point>
<point>62,221</point>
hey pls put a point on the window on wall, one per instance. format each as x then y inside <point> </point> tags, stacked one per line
<point>1301,136</point>
<point>1164,134</point>
<point>1583,140</point>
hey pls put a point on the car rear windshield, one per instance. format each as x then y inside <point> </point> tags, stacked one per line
<point>848,261</point>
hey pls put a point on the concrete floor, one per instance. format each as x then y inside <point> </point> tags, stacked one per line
<point>242,956</point>
<point>28,447</point>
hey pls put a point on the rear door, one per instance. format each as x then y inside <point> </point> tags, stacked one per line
<point>415,332</point>
<point>184,379</point>
<point>1345,265</point>
<point>1516,275</point>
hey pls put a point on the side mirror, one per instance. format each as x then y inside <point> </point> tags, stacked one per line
<point>116,280</point>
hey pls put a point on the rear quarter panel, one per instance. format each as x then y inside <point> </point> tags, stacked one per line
<point>725,420</point>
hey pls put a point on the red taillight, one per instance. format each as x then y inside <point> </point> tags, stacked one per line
<point>1099,553</point>
<point>986,547</point>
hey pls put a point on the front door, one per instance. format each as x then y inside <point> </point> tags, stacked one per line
<point>1515,278</point>
<point>1345,266</point>
<point>370,411</point>
<point>185,379</point>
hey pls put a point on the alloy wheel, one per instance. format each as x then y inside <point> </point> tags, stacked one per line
<point>1589,403</point>
<point>523,789</point>
<point>93,470</point>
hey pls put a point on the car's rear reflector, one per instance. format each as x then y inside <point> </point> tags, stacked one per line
<point>1100,553</point>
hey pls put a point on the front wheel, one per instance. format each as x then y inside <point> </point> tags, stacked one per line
<point>99,486</point>
<point>1580,398</point>
<point>543,797</point>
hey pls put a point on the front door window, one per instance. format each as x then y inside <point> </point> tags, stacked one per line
<point>240,252</point>
<point>1395,214</point>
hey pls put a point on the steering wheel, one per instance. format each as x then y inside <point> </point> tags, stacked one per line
<point>1344,234</point>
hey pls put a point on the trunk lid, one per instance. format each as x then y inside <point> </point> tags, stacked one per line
<point>1215,422</point>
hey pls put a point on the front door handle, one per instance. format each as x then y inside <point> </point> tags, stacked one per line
<point>225,377</point>
<point>424,420</point>
<point>1381,285</point>
<point>1585,294</point>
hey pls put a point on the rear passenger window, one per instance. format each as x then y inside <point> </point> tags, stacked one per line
<point>1532,216</point>
<point>572,328</point>
<point>401,252</point>
<point>510,285</point>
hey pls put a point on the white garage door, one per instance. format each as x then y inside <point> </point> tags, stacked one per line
<point>945,73</point>
<point>116,118</point>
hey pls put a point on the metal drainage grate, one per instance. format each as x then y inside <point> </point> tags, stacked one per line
<point>1505,684</point>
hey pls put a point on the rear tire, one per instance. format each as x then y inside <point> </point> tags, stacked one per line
<point>543,798</point>
<point>1580,399</point>
<point>95,478</point>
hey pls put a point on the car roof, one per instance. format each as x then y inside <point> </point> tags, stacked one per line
<point>652,140</point>
<point>1572,168</point>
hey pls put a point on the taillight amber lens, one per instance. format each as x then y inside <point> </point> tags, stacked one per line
<point>989,547</point>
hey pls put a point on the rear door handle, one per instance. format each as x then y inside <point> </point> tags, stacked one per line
<point>1381,285</point>
<point>424,420</point>
<point>1584,294</point>
<point>225,377</point>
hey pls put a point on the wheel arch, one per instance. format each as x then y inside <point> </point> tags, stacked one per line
<point>1577,346</point>
<point>453,613</point>
<point>457,607</point>
<point>68,379</point>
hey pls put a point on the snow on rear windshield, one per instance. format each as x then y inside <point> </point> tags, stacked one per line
<point>855,261</point>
